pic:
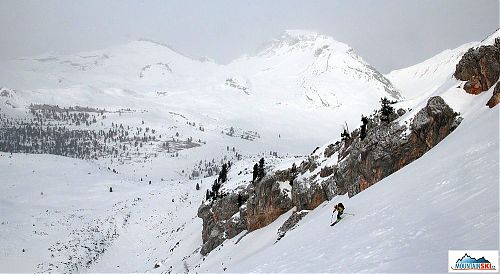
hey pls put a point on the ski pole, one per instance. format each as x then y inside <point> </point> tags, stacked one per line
<point>349,214</point>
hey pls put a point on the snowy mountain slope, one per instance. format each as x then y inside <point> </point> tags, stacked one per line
<point>323,68</point>
<point>116,66</point>
<point>470,177</point>
<point>282,98</point>
<point>434,77</point>
<point>158,230</point>
<point>423,78</point>
<point>60,212</point>
<point>54,208</point>
<point>308,82</point>
<point>448,199</point>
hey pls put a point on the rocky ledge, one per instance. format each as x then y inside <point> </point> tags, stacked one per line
<point>347,166</point>
<point>480,68</point>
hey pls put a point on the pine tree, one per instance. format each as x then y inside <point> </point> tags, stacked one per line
<point>362,134</point>
<point>386,109</point>
<point>261,168</point>
<point>293,172</point>
<point>197,186</point>
<point>255,172</point>
<point>345,135</point>
<point>215,189</point>
<point>223,173</point>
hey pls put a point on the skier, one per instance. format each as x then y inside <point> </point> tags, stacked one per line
<point>340,210</point>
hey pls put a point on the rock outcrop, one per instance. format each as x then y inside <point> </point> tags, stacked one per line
<point>495,98</point>
<point>250,208</point>
<point>223,219</point>
<point>267,202</point>
<point>307,196</point>
<point>291,223</point>
<point>480,68</point>
<point>351,165</point>
<point>387,147</point>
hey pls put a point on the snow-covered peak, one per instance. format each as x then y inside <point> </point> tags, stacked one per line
<point>327,73</point>
<point>300,33</point>
<point>150,42</point>
<point>301,41</point>
<point>294,36</point>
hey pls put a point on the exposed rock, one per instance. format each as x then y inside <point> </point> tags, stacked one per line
<point>308,165</point>
<point>401,112</point>
<point>432,124</point>
<point>332,188</point>
<point>307,195</point>
<point>326,171</point>
<point>259,205</point>
<point>5,93</point>
<point>480,67</point>
<point>370,160</point>
<point>291,222</point>
<point>495,98</point>
<point>223,219</point>
<point>387,148</point>
<point>473,86</point>
<point>331,149</point>
<point>284,175</point>
<point>266,203</point>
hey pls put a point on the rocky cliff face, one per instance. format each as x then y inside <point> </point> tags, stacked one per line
<point>223,219</point>
<point>480,68</point>
<point>348,166</point>
<point>291,222</point>
<point>249,208</point>
<point>267,202</point>
<point>389,147</point>
<point>386,148</point>
<point>495,99</point>
<point>351,165</point>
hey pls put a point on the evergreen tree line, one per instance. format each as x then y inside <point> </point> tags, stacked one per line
<point>215,193</point>
<point>386,112</point>
<point>258,171</point>
<point>40,136</point>
<point>72,115</point>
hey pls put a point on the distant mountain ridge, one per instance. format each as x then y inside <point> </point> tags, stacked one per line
<point>301,76</point>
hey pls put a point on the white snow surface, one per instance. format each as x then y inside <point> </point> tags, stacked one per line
<point>296,93</point>
<point>448,199</point>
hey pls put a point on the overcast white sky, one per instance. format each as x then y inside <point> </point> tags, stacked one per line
<point>389,34</point>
